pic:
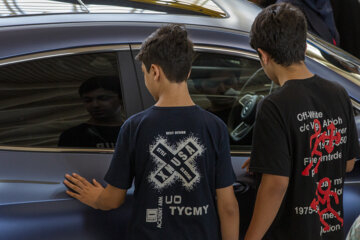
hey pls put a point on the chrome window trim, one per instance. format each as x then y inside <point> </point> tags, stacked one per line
<point>355,104</point>
<point>351,182</point>
<point>83,150</point>
<point>214,49</point>
<point>64,52</point>
<point>240,152</point>
<point>55,149</point>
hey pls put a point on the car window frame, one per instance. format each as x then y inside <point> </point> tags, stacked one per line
<point>127,75</point>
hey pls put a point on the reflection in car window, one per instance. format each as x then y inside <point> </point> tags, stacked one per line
<point>40,100</point>
<point>102,100</point>
<point>230,87</point>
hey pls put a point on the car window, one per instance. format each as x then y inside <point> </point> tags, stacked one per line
<point>230,87</point>
<point>68,101</point>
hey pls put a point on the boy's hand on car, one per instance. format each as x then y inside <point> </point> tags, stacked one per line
<point>246,165</point>
<point>83,190</point>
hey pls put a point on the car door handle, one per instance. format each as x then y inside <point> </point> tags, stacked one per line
<point>240,187</point>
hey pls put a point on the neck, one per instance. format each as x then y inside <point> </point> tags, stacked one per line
<point>174,95</point>
<point>293,72</point>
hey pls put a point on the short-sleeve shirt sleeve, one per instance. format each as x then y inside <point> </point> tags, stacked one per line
<point>121,170</point>
<point>224,171</point>
<point>270,153</point>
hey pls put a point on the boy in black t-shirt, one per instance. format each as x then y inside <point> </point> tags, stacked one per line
<point>304,137</point>
<point>178,154</point>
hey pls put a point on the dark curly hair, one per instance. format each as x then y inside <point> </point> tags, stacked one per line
<point>280,30</point>
<point>170,48</point>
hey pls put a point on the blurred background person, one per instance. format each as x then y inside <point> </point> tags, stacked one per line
<point>319,15</point>
<point>320,18</point>
<point>347,18</point>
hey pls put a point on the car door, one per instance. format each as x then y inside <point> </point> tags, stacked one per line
<point>40,100</point>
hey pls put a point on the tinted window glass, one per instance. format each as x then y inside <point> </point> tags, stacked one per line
<point>40,100</point>
<point>230,87</point>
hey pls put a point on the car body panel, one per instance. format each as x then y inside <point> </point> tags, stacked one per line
<point>34,203</point>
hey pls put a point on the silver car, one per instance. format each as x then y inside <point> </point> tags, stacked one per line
<point>49,48</point>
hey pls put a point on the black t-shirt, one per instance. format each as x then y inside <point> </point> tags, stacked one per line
<point>303,121</point>
<point>92,136</point>
<point>179,156</point>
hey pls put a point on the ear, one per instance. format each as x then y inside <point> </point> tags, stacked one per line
<point>264,56</point>
<point>155,70</point>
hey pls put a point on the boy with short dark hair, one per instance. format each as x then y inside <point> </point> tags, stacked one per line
<point>177,152</point>
<point>304,137</point>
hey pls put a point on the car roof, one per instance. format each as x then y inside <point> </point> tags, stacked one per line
<point>47,7</point>
<point>233,19</point>
<point>225,30</point>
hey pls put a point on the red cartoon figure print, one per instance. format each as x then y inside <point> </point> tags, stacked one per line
<point>323,198</point>
<point>324,138</point>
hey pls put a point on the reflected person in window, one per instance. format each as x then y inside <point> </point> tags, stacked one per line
<point>219,88</point>
<point>102,99</point>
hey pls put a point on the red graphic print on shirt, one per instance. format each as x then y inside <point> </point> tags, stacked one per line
<point>323,197</point>
<point>324,138</point>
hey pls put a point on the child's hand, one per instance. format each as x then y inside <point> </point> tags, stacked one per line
<point>84,191</point>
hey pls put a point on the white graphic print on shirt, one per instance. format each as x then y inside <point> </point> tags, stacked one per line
<point>176,162</point>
